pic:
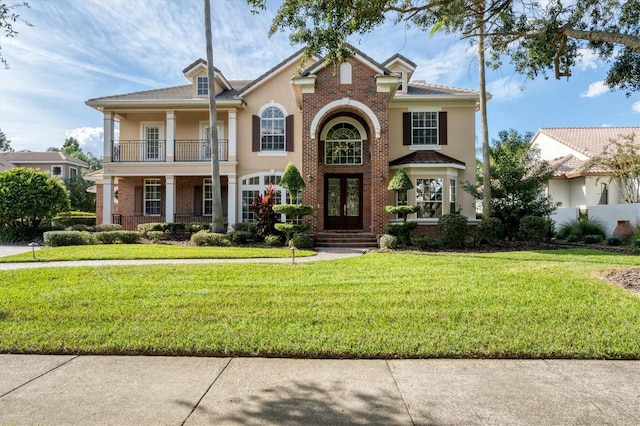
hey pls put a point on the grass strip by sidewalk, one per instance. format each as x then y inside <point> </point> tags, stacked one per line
<point>547,304</point>
<point>150,251</point>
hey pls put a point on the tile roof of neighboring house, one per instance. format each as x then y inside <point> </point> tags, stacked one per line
<point>589,141</point>
<point>26,157</point>
<point>421,88</point>
<point>5,165</point>
<point>425,157</point>
<point>570,166</point>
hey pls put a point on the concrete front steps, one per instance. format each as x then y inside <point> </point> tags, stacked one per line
<point>346,239</point>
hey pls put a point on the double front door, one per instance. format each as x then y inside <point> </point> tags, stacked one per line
<point>343,201</point>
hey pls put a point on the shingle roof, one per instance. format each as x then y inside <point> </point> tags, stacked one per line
<point>5,165</point>
<point>425,157</point>
<point>25,157</point>
<point>171,93</point>
<point>399,56</point>
<point>589,141</point>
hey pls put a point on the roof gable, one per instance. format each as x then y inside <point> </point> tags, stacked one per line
<point>358,55</point>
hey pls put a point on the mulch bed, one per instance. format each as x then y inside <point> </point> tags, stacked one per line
<point>625,278</point>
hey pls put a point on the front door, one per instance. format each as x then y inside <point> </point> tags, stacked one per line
<point>343,201</point>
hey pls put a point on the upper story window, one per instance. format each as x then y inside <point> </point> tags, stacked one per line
<point>202,86</point>
<point>345,73</point>
<point>272,129</point>
<point>424,128</point>
<point>343,145</point>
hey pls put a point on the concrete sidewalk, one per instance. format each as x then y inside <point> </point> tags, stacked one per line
<point>323,254</point>
<point>37,389</point>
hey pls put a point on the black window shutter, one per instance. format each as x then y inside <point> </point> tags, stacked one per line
<point>197,201</point>
<point>442,127</point>
<point>406,128</point>
<point>255,142</point>
<point>289,133</point>
<point>138,198</point>
<point>163,200</point>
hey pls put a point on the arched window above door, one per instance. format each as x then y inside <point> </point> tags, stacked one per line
<point>343,145</point>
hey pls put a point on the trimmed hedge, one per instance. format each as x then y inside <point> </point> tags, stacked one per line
<point>453,229</point>
<point>118,237</point>
<point>388,241</point>
<point>206,238</point>
<point>68,238</point>
<point>106,227</point>
<point>74,218</point>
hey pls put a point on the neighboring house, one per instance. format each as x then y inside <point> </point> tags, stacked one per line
<point>347,128</point>
<point>57,164</point>
<point>568,149</point>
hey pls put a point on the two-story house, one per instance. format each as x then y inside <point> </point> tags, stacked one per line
<point>347,127</point>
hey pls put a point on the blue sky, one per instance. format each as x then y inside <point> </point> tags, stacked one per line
<point>82,49</point>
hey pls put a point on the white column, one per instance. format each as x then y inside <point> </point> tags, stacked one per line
<point>232,201</point>
<point>170,206</point>
<point>107,141</point>
<point>233,127</point>
<point>107,200</point>
<point>171,135</point>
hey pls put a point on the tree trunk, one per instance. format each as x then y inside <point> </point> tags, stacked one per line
<point>486,178</point>
<point>217,222</point>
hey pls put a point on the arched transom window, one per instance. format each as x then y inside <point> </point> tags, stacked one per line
<point>272,129</point>
<point>343,145</point>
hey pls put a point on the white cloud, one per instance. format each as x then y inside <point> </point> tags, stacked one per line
<point>636,107</point>
<point>589,60</point>
<point>90,138</point>
<point>595,89</point>
<point>447,66</point>
<point>504,88</point>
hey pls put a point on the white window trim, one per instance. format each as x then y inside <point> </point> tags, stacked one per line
<point>161,138</point>
<point>260,187</point>
<point>61,170</point>
<point>273,153</point>
<point>144,196</point>
<point>427,145</point>
<point>204,198</point>
<point>73,168</point>
<point>348,120</point>
<point>346,73</point>
<point>197,84</point>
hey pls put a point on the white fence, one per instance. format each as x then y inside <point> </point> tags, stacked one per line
<point>608,215</point>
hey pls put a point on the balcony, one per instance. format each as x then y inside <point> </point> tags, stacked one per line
<point>154,151</point>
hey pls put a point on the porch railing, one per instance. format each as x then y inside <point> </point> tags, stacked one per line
<point>153,151</point>
<point>143,151</point>
<point>193,150</point>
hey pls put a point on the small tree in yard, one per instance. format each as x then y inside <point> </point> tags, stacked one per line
<point>401,184</point>
<point>621,159</point>
<point>518,179</point>
<point>292,181</point>
<point>28,196</point>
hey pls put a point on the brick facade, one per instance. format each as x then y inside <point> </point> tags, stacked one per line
<point>374,168</point>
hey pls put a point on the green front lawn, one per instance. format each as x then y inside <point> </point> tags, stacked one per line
<point>547,304</point>
<point>150,251</point>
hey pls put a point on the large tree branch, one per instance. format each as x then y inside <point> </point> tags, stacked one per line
<point>630,41</point>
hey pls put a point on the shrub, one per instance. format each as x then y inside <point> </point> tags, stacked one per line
<point>388,241</point>
<point>68,238</point>
<point>592,239</point>
<point>535,229</point>
<point>302,241</point>
<point>614,241</point>
<point>421,241</point>
<point>245,226</point>
<point>80,227</point>
<point>402,230</point>
<point>239,238</point>
<point>118,237</point>
<point>273,240</point>
<point>74,218</point>
<point>575,230</point>
<point>16,234</point>
<point>155,236</point>
<point>144,228</point>
<point>197,226</point>
<point>453,230</point>
<point>489,230</point>
<point>106,227</point>
<point>206,238</point>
